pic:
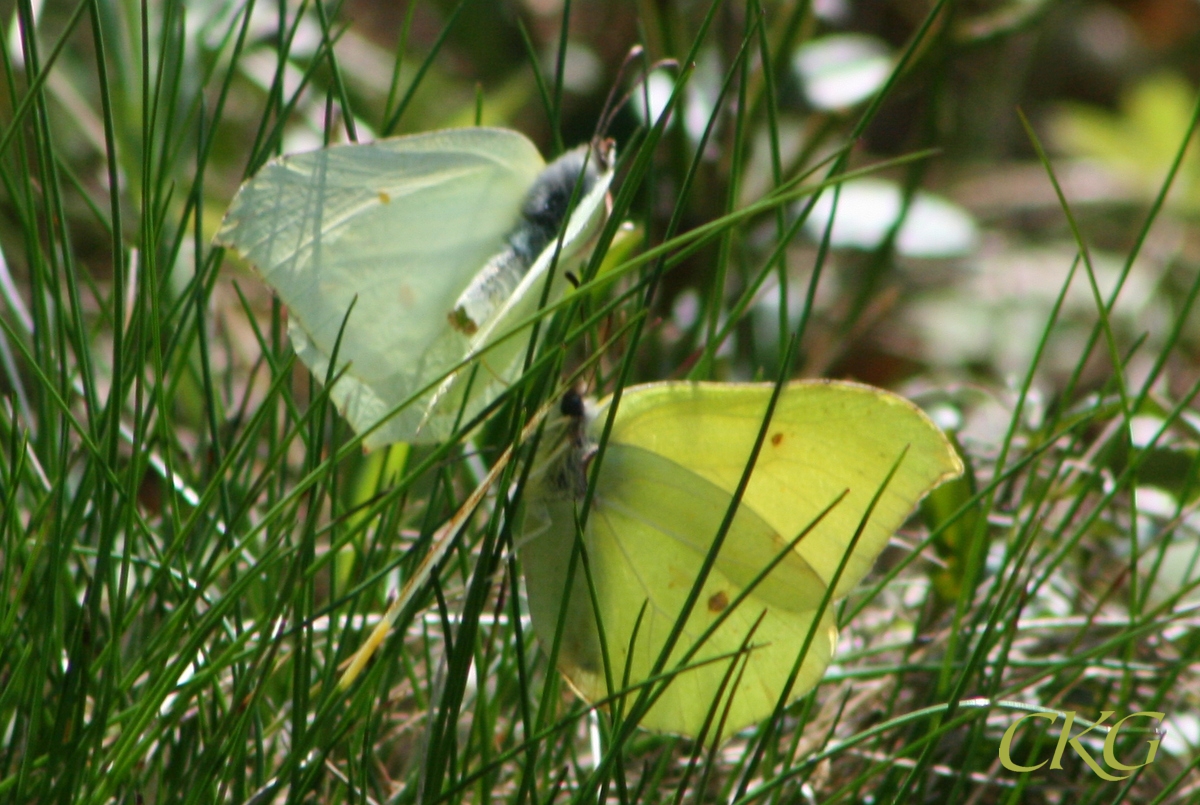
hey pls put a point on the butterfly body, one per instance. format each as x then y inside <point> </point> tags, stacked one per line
<point>542,214</point>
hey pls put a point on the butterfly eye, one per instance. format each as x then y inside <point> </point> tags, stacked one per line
<point>572,404</point>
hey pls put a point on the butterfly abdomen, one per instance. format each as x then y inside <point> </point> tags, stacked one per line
<point>488,290</point>
<point>546,206</point>
<point>543,212</point>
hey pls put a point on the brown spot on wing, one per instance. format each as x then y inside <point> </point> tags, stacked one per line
<point>718,601</point>
<point>777,439</point>
<point>384,198</point>
<point>460,321</point>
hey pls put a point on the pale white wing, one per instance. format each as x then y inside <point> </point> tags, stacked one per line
<point>400,225</point>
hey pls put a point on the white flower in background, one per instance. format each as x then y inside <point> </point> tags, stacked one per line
<point>841,70</point>
<point>867,209</point>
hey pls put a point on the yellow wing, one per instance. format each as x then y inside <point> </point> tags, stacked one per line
<point>650,528</point>
<point>825,438</point>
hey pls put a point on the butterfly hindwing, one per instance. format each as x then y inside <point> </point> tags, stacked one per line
<point>397,228</point>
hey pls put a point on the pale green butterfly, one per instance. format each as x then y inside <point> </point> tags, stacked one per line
<point>676,453</point>
<point>441,242</point>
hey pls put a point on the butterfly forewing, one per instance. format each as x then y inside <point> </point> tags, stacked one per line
<point>824,439</point>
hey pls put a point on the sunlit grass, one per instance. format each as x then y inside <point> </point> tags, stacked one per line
<point>192,543</point>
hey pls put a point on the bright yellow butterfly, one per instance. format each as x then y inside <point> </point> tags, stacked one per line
<point>676,453</point>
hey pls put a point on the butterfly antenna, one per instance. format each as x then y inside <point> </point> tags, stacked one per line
<point>610,103</point>
<point>613,104</point>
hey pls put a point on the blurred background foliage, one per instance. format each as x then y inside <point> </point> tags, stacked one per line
<point>1109,87</point>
